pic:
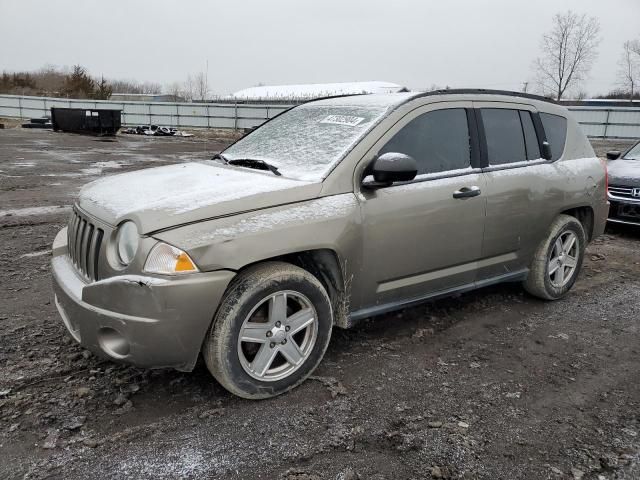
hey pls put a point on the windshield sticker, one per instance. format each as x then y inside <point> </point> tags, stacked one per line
<point>342,120</point>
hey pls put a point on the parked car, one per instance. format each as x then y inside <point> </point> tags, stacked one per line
<point>334,211</point>
<point>624,185</point>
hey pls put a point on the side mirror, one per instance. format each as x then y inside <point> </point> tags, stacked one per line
<point>546,151</point>
<point>613,155</point>
<point>391,167</point>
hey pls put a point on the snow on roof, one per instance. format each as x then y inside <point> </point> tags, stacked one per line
<point>382,100</point>
<point>315,90</point>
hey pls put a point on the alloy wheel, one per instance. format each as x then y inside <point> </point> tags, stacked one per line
<point>277,336</point>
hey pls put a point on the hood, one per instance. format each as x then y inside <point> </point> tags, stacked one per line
<point>624,172</point>
<point>164,197</point>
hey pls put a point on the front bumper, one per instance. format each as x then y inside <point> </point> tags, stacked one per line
<point>146,321</point>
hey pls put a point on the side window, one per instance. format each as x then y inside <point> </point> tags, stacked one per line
<point>530,137</point>
<point>438,141</point>
<point>505,139</point>
<point>555,128</point>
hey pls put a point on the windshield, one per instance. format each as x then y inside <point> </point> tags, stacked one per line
<point>307,141</point>
<point>634,153</point>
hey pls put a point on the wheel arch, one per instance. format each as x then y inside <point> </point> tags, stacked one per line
<point>585,215</point>
<point>329,268</point>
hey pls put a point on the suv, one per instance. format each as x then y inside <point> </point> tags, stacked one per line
<point>624,185</point>
<point>336,210</point>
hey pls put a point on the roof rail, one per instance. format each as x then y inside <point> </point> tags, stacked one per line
<point>484,91</point>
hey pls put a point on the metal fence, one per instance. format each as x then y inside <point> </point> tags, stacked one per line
<point>202,115</point>
<point>599,122</point>
<point>608,122</point>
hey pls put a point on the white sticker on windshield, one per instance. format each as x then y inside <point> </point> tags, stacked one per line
<point>342,120</point>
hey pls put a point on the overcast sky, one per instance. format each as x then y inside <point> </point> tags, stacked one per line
<point>417,43</point>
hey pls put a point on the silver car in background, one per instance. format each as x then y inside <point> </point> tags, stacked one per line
<point>624,185</point>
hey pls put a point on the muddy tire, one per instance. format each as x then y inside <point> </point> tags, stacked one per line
<point>271,331</point>
<point>557,260</point>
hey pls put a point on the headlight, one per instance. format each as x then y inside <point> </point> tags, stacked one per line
<point>127,242</point>
<point>168,260</point>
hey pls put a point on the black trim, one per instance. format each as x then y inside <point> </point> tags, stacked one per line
<point>518,276</point>
<point>524,135</point>
<point>539,128</point>
<point>482,139</point>
<point>474,139</point>
<point>484,91</point>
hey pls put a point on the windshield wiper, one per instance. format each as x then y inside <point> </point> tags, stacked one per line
<point>220,156</point>
<point>253,163</point>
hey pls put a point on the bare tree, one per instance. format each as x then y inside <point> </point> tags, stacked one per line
<point>201,86</point>
<point>151,88</point>
<point>174,89</point>
<point>568,52</point>
<point>629,67</point>
<point>189,88</point>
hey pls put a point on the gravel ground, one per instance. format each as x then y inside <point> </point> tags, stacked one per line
<point>491,384</point>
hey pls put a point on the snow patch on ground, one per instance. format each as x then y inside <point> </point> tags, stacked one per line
<point>183,462</point>
<point>29,211</point>
<point>36,254</point>
<point>97,167</point>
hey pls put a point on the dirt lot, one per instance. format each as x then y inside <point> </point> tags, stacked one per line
<point>490,385</point>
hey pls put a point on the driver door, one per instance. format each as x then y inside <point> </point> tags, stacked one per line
<point>421,237</point>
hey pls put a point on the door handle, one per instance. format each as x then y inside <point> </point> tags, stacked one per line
<point>467,192</point>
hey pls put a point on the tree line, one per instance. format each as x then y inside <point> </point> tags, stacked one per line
<point>76,82</point>
<point>51,81</point>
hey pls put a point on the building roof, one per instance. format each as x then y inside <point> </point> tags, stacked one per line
<point>316,90</point>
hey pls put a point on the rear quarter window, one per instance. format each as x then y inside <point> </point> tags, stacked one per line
<point>555,129</point>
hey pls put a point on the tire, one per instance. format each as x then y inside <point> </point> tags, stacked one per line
<point>261,294</point>
<point>551,275</point>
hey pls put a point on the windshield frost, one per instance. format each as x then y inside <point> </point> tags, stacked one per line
<point>305,142</point>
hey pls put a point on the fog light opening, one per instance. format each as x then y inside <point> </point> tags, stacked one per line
<point>113,343</point>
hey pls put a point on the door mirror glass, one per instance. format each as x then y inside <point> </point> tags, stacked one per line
<point>546,151</point>
<point>613,155</point>
<point>392,167</point>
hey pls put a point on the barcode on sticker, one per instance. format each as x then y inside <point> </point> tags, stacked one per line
<point>342,120</point>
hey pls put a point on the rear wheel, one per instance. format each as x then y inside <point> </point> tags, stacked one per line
<point>558,259</point>
<point>271,331</point>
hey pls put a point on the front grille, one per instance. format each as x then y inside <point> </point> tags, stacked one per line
<point>623,192</point>
<point>84,241</point>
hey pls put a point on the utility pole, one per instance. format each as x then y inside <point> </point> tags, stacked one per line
<point>525,86</point>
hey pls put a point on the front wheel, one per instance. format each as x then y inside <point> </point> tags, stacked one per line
<point>558,259</point>
<point>271,331</point>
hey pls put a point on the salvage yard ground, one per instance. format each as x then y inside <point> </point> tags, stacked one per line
<point>493,384</point>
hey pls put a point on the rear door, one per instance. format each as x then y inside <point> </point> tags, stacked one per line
<point>518,186</point>
<point>422,236</point>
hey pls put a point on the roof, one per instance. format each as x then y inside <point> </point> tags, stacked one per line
<point>315,90</point>
<point>374,100</point>
<point>394,99</point>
